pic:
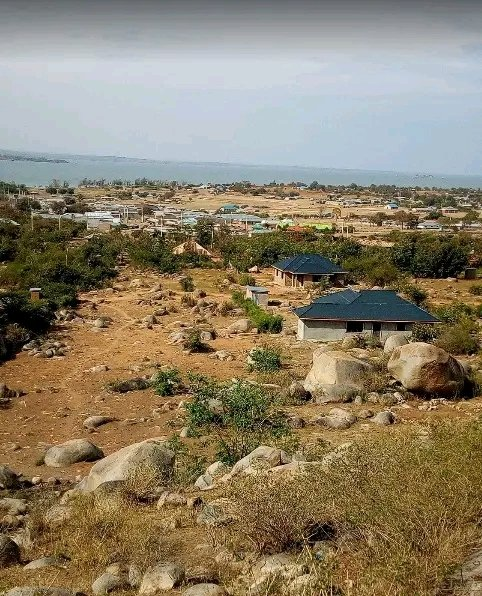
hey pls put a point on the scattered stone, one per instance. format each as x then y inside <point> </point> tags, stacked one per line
<point>40,591</point>
<point>223,355</point>
<point>216,513</point>
<point>394,341</point>
<point>109,582</point>
<point>72,452</point>
<point>161,578</point>
<point>262,457</point>
<point>297,391</point>
<point>240,326</point>
<point>99,368</point>
<point>8,478</point>
<point>93,422</point>
<point>9,506</point>
<point>9,552</point>
<point>171,499</point>
<point>337,419</point>
<point>122,463</point>
<point>215,470</point>
<point>384,418</point>
<point>364,414</point>
<point>42,563</point>
<point>205,590</point>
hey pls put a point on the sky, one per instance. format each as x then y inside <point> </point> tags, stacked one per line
<point>373,84</point>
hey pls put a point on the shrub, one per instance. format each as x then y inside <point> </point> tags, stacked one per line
<point>264,359</point>
<point>187,283</point>
<point>240,415</point>
<point>168,382</point>
<point>245,279</point>
<point>460,338</point>
<point>193,342</point>
<point>188,300</point>
<point>188,466</point>
<point>264,321</point>
<point>476,289</point>
<point>225,308</point>
<point>424,333</point>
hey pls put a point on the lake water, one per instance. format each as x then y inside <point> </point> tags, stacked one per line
<point>39,174</point>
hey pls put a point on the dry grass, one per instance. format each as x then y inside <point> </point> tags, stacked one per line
<point>404,511</point>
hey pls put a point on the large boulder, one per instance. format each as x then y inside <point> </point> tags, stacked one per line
<point>72,452</point>
<point>123,463</point>
<point>40,591</point>
<point>424,368</point>
<point>394,341</point>
<point>335,368</point>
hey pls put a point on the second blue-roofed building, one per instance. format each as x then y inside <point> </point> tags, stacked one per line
<point>303,270</point>
<point>370,312</point>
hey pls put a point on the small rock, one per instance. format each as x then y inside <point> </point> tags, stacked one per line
<point>161,578</point>
<point>95,421</point>
<point>205,590</point>
<point>108,582</point>
<point>9,552</point>
<point>384,418</point>
<point>8,478</point>
<point>44,562</point>
<point>72,452</point>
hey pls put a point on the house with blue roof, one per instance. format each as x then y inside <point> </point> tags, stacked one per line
<point>353,312</point>
<point>303,270</point>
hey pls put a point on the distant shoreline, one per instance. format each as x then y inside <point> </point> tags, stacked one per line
<point>8,157</point>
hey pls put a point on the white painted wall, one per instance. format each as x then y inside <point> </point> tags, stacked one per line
<point>336,330</point>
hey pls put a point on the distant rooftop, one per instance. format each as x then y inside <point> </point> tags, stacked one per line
<point>308,264</point>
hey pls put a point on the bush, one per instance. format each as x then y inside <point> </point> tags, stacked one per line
<point>193,342</point>
<point>188,300</point>
<point>225,308</point>
<point>424,333</point>
<point>264,359</point>
<point>245,279</point>
<point>476,289</point>
<point>168,382</point>
<point>187,466</point>
<point>187,283</point>
<point>460,338</point>
<point>264,321</point>
<point>240,414</point>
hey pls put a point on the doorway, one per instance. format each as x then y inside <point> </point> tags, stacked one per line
<point>377,329</point>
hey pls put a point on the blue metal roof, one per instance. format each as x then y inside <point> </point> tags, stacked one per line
<point>364,305</point>
<point>309,263</point>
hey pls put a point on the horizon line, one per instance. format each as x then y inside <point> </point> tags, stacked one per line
<point>235,164</point>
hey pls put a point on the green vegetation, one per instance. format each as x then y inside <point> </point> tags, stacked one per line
<point>427,255</point>
<point>245,279</point>
<point>187,283</point>
<point>265,359</point>
<point>264,321</point>
<point>476,289</point>
<point>194,342</point>
<point>168,382</point>
<point>240,415</point>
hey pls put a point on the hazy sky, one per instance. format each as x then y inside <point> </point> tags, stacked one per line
<point>369,85</point>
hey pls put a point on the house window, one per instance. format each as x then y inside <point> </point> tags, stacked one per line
<point>354,326</point>
<point>401,326</point>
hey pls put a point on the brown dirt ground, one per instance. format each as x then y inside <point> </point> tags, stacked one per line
<point>61,393</point>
